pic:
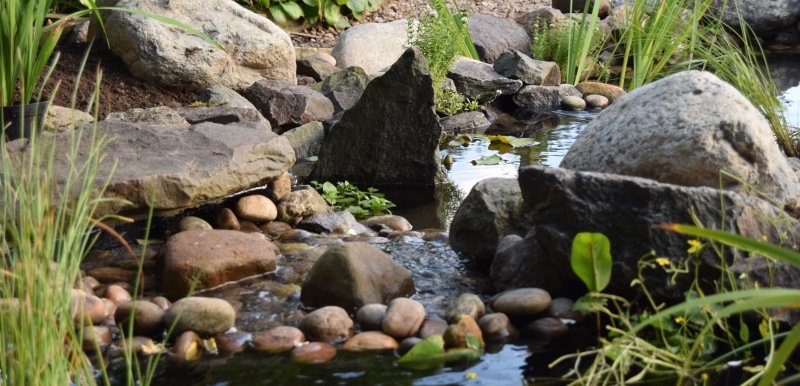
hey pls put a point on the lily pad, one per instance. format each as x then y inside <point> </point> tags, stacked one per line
<point>512,141</point>
<point>430,354</point>
<point>493,159</point>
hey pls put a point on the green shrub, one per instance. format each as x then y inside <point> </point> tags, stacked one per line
<point>330,12</point>
<point>346,196</point>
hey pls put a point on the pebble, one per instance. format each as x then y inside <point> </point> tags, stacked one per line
<point>117,294</point>
<point>463,326</point>
<point>370,316</point>
<point>466,304</point>
<point>596,101</point>
<point>521,302</point>
<point>226,219</point>
<point>547,328</point>
<point>148,318</point>
<point>95,338</point>
<point>314,352</point>
<point>433,325</point>
<point>571,102</point>
<point>189,223</point>
<point>89,284</point>
<point>403,318</point>
<point>276,228</point>
<point>87,309</point>
<point>393,222</point>
<point>281,185</point>
<point>562,308</point>
<point>328,324</point>
<point>187,348</point>
<point>248,227</point>
<point>279,339</point>
<point>327,58</point>
<point>111,309</point>
<point>370,341</point>
<point>256,208</point>
<point>162,302</point>
<point>496,327</point>
<point>205,316</point>
<point>233,342</point>
<point>407,344</point>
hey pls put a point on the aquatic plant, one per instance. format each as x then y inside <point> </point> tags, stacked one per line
<point>346,196</point>
<point>331,12</point>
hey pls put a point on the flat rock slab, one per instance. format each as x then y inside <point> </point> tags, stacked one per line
<point>170,167</point>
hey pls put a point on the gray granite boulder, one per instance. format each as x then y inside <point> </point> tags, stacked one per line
<point>764,17</point>
<point>516,65</point>
<point>287,105</point>
<point>344,88</point>
<point>371,46</point>
<point>478,80</point>
<point>494,35</point>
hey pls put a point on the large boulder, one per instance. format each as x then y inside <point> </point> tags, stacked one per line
<point>764,17</point>
<point>685,129</point>
<point>492,209</point>
<point>494,35</point>
<point>355,274</point>
<point>201,259</point>
<point>627,209</point>
<point>253,47</point>
<point>167,168</point>
<point>390,136</point>
<point>478,80</point>
<point>371,46</point>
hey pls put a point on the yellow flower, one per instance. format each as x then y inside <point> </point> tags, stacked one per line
<point>662,261</point>
<point>470,375</point>
<point>695,246</point>
<point>680,320</point>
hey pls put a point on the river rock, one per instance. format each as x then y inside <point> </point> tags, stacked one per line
<point>718,129</point>
<point>371,46</point>
<point>492,209</point>
<point>117,294</point>
<point>280,187</point>
<point>208,258</point>
<point>546,328</point>
<point>345,87</point>
<point>279,339</point>
<point>532,100</point>
<point>148,318</point>
<point>562,308</point>
<point>205,316</point>
<point>233,341</point>
<point>315,68</point>
<point>256,208</point>
<point>338,223</point>
<point>301,203</point>
<point>764,17</point>
<point>609,91</point>
<point>521,302</point>
<point>457,332</point>
<point>306,139</point>
<point>390,221</point>
<point>626,209</point>
<point>370,316</point>
<point>59,118</point>
<point>226,219</point>
<point>596,101</point>
<point>190,223</point>
<point>403,318</point>
<point>518,263</point>
<point>477,80</point>
<point>95,339</point>
<point>407,344</point>
<point>370,341</point>
<point>288,105</point>
<point>328,324</point>
<point>253,47</point>
<point>390,136</point>
<point>467,122</point>
<point>494,35</point>
<point>496,327</point>
<point>314,352</point>
<point>205,162</point>
<point>466,304</point>
<point>187,348</point>
<point>86,309</point>
<point>516,65</point>
<point>573,103</point>
<point>432,325</point>
<point>354,274</point>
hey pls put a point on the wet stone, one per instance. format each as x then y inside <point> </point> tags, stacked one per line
<point>148,318</point>
<point>561,308</point>
<point>279,339</point>
<point>248,227</point>
<point>521,302</point>
<point>466,304</point>
<point>95,337</point>
<point>596,101</point>
<point>314,352</point>
<point>403,318</point>
<point>226,219</point>
<point>187,348</point>
<point>496,327</point>
<point>573,103</point>
<point>206,316</point>
<point>117,294</point>
<point>370,316</point>
<point>87,309</point>
<point>546,328</point>
<point>432,325</point>
<point>370,341</point>
<point>328,324</point>
<point>256,208</point>
<point>393,222</point>
<point>463,326</point>
<point>233,342</point>
<point>408,344</point>
<point>193,223</point>
<point>276,228</point>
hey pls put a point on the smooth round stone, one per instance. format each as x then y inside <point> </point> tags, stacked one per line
<point>226,219</point>
<point>314,352</point>
<point>205,316</point>
<point>87,309</point>
<point>370,341</point>
<point>279,339</point>
<point>256,208</point>
<point>148,318</point>
<point>405,236</point>
<point>521,302</point>
<point>95,337</point>
<point>571,102</point>
<point>323,57</point>
<point>596,101</point>
<point>276,228</point>
<point>111,309</point>
<point>466,304</point>
<point>463,326</point>
<point>280,187</point>
<point>370,316</point>
<point>403,318</point>
<point>328,324</point>
<point>89,284</point>
<point>189,223</point>
<point>187,348</point>
<point>162,302</point>
<point>117,294</point>
<point>248,227</point>
<point>433,325</point>
<point>436,235</point>
<point>547,328</point>
<point>391,221</point>
<point>561,308</point>
<point>298,236</point>
<point>496,327</point>
<point>233,342</point>
<point>407,344</point>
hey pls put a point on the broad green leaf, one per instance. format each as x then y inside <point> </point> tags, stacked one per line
<point>312,3</point>
<point>292,10</point>
<point>278,15</point>
<point>329,188</point>
<point>342,2</point>
<point>500,147</point>
<point>357,5</point>
<point>419,355</point>
<point>493,159</point>
<point>500,138</point>
<point>591,260</point>
<point>473,342</point>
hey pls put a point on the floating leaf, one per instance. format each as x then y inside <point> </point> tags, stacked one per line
<point>500,139</point>
<point>493,159</point>
<point>591,259</point>
<point>500,147</point>
<point>511,141</point>
<point>419,357</point>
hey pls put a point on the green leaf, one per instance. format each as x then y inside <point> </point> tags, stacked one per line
<point>500,147</point>
<point>493,159</point>
<point>473,342</point>
<point>591,260</point>
<point>329,188</point>
<point>357,5</point>
<point>278,15</point>
<point>292,10</point>
<point>312,3</point>
<point>419,355</point>
<point>333,16</point>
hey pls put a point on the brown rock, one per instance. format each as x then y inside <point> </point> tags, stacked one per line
<point>256,208</point>
<point>607,90</point>
<point>189,223</point>
<point>466,304</point>
<point>328,324</point>
<point>370,316</point>
<point>205,316</point>
<point>547,328</point>
<point>95,338</point>
<point>148,318</point>
<point>391,221</point>
<point>214,257</point>
<point>279,339</point>
<point>314,352</point>
<point>370,341</point>
<point>112,275</point>
<point>403,318</point>
<point>248,227</point>
<point>456,334</point>
<point>280,187</point>
<point>226,219</point>
<point>521,302</point>
<point>432,325</point>
<point>187,348</point>
<point>301,203</point>
<point>276,228</point>
<point>117,294</point>
<point>496,327</point>
<point>162,302</point>
<point>87,309</point>
<point>233,342</point>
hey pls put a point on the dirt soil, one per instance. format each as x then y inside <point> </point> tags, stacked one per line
<point>120,91</point>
